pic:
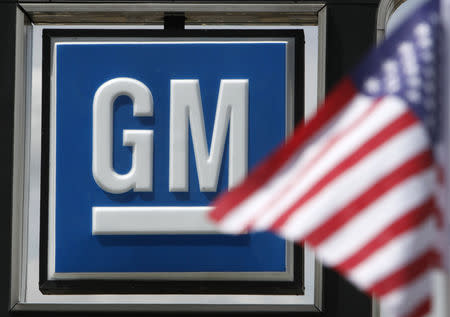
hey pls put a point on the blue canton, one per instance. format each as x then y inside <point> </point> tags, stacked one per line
<point>406,66</point>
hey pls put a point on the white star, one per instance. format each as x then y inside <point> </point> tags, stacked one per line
<point>408,58</point>
<point>372,85</point>
<point>392,84</point>
<point>422,30</point>
<point>413,96</point>
<point>406,48</point>
<point>425,42</point>
<point>414,81</point>
<point>390,66</point>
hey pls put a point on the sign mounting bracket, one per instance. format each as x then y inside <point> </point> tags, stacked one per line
<point>174,20</point>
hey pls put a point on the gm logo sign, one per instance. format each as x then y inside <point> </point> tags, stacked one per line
<point>186,114</point>
<point>141,132</point>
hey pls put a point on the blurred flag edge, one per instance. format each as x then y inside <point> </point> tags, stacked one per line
<point>359,182</point>
<point>442,280</point>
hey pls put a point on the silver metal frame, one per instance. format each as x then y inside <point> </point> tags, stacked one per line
<point>19,232</point>
<point>287,275</point>
<point>25,294</point>
<point>197,13</point>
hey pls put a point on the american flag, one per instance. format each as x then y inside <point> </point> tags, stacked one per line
<point>357,182</point>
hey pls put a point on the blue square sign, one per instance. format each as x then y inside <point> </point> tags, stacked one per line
<point>144,134</point>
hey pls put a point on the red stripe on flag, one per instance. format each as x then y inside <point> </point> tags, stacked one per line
<point>422,309</point>
<point>415,165</point>
<point>335,102</point>
<point>406,274</point>
<point>410,220</point>
<point>404,121</point>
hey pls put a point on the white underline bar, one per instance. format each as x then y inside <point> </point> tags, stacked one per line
<point>151,220</point>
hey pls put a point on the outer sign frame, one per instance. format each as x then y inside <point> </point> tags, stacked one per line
<point>176,284</point>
